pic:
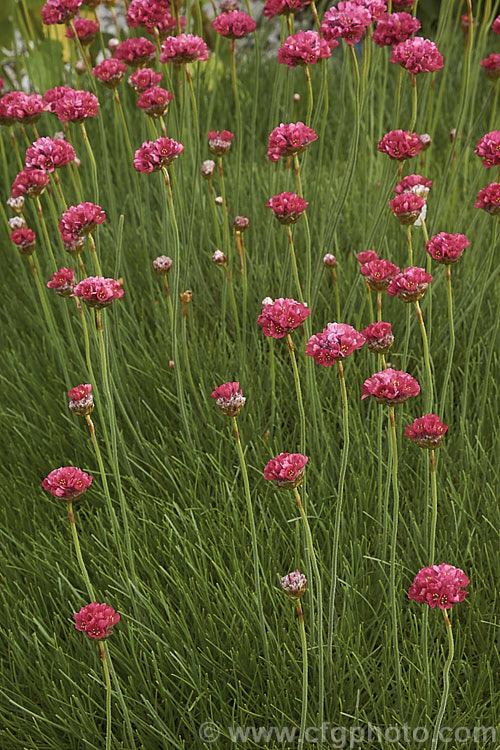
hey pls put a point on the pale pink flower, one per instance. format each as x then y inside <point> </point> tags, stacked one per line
<point>229,398</point>
<point>290,139</point>
<point>155,155</point>
<point>294,584</point>
<point>63,282</point>
<point>241,223</point>
<point>378,273</point>
<point>30,183</point>
<point>495,26</point>
<point>427,431</point>
<point>59,11</point>
<point>24,239</point>
<point>21,107</point>
<point>347,21</point>
<point>219,143</point>
<point>136,52</point>
<point>75,105</point>
<point>155,101</point>
<point>491,66</point>
<point>110,72</point>
<point>162,265</point>
<point>283,7</point>
<point>97,291</point>
<point>67,483</point>
<point>96,620</point>
<point>329,261</point>
<point>390,387</point>
<point>80,220</point>
<point>336,341</point>
<point>81,400</point>
<point>414,183</point>
<point>53,95</point>
<point>365,256</point>
<point>281,316</point>
<point>407,208</point>
<point>286,470</point>
<point>439,586</point>
<point>143,79</point>
<point>85,28</point>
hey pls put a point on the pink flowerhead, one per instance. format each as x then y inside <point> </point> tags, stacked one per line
<point>184,48</point>
<point>390,387</point>
<point>330,261</point>
<point>155,155</point>
<point>488,149</point>
<point>304,48</point>
<point>16,205</point>
<point>59,11</point>
<point>414,183</point>
<point>219,142</point>
<point>378,337</point>
<point>488,199</point>
<point>53,95</point>
<point>98,292</point>
<point>154,15</point>
<point>287,207</point>
<point>294,584</point>
<point>85,30</point>
<point>400,144</point>
<point>81,400</point>
<point>376,8</point>
<point>336,341</point>
<point>5,117</point>
<point>136,52</point>
<point>76,106</point>
<point>286,470</point>
<point>30,182</point>
<point>288,140</point>
<point>495,26</point>
<point>407,207</point>
<point>283,7</point>
<point>427,431</point>
<point>80,220</point>
<point>96,620</point>
<point>162,265</point>
<point>20,107</point>
<point>48,154</point>
<point>410,285</point>
<point>346,21</point>
<point>365,256</point>
<point>229,398</point>
<point>155,101</point>
<point>234,24</point>
<point>491,66</point>
<point>282,316</point>
<point>67,483</point>
<point>417,55</point>
<point>446,248</point>
<point>24,239</point>
<point>241,223</point>
<point>143,79</point>
<point>110,72</point>
<point>378,273</point>
<point>439,586</point>
<point>394,28</point>
<point>63,282</point>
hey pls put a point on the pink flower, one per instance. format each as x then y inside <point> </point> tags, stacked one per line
<point>82,401</point>
<point>143,79</point>
<point>286,470</point>
<point>407,207</point>
<point>59,11</point>
<point>184,48</point>
<point>417,55</point>
<point>304,48</point>
<point>346,21</point>
<point>67,483</point>
<point>488,149</point>
<point>53,95</point>
<point>110,72</point>
<point>410,285</point>
<point>85,30</point>
<point>282,316</point>
<point>155,101</point>
<point>98,292</point>
<point>154,15</point>
<point>229,398</point>
<point>283,7</point>
<point>439,586</point>
<point>393,28</point>
<point>24,239</point>
<point>80,220</point>
<point>378,273</point>
<point>378,337</point>
<point>446,248</point>
<point>294,584</point>
<point>488,199</point>
<point>400,144</point>
<point>365,256</point>
<point>287,207</point>
<point>219,143</point>
<point>414,183</point>
<point>330,261</point>
<point>288,140</point>
<point>241,223</point>
<point>336,341</point>
<point>155,155</point>
<point>495,26</point>
<point>5,119</point>
<point>96,620</point>
<point>49,154</point>
<point>30,182</point>
<point>21,107</point>
<point>390,387</point>
<point>63,282</point>
<point>491,65</point>
<point>162,265</point>
<point>234,24</point>
<point>136,52</point>
<point>426,431</point>
<point>376,8</point>
<point>76,106</point>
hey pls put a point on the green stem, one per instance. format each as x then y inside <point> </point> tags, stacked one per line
<point>493,118</point>
<point>41,219</point>
<point>446,682</point>
<point>239,127</point>
<point>451,345</point>
<point>413,102</point>
<point>294,263</point>
<point>121,699</point>
<point>432,543</point>
<point>78,551</point>
<point>427,361</point>
<point>410,247</point>
<point>337,296</point>
<point>394,542</point>
<point>108,694</point>
<point>298,391</point>
<point>379,306</point>
<point>227,241</point>
<point>297,175</point>
<point>233,302</point>
<point>92,162</point>
<point>213,207</point>
<point>303,641</point>
<point>309,95</point>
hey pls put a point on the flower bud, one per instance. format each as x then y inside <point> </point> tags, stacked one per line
<point>426,141</point>
<point>16,205</point>
<point>219,200</point>
<point>219,258</point>
<point>17,222</point>
<point>162,265</point>
<point>294,584</point>
<point>330,261</point>
<point>207,169</point>
<point>241,223</point>
<point>82,401</point>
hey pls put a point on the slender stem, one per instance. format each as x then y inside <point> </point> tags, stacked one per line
<point>78,551</point>
<point>227,241</point>
<point>432,543</point>
<point>397,104</point>
<point>446,682</point>
<point>213,207</point>
<point>303,640</point>
<point>337,296</point>
<point>108,694</point>
<point>394,542</point>
<point>121,700</point>
<point>427,361</point>
<point>451,345</point>
<point>379,305</point>
<point>233,302</point>
<point>93,255</point>
<point>493,118</point>
<point>410,247</point>
<point>309,95</point>
<point>239,126</point>
<point>413,102</point>
<point>92,162</point>
<point>41,219</point>
<point>297,175</point>
<point>298,391</point>
<point>294,263</point>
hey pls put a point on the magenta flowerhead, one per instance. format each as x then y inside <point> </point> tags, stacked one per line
<point>410,285</point>
<point>335,342</point>
<point>281,316</point>
<point>417,55</point>
<point>67,483</point>
<point>491,66</point>
<point>426,431</point>
<point>98,292</point>
<point>488,199</point>
<point>49,154</point>
<point>378,273</point>
<point>229,398</point>
<point>283,7</point>
<point>329,261</point>
<point>96,621</point>
<point>75,106</point>
<point>365,256</point>
<point>17,106</point>
<point>495,26</point>
<point>80,220</point>
<point>219,143</point>
<point>414,183</point>
<point>288,140</point>
<point>24,239</point>
<point>182,49</point>
<point>85,28</point>
<point>390,387</point>
<point>241,223</point>
<point>59,11</point>
<point>488,149</point>
<point>446,248</point>
<point>62,282</point>
<point>143,79</point>
<point>287,207</point>
<point>110,72</point>
<point>155,155</point>
<point>30,183</point>
<point>304,48</point>
<point>286,470</point>
<point>378,337</point>
<point>162,265</point>
<point>439,586</point>
<point>407,207</point>
<point>347,21</point>
<point>135,52</point>
<point>394,28</point>
<point>294,584</point>
<point>81,400</point>
<point>400,144</point>
<point>234,24</point>
<point>155,101</point>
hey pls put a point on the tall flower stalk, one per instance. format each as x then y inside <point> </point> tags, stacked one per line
<point>294,585</point>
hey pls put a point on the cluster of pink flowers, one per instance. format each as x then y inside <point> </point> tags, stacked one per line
<point>410,285</point>
<point>81,400</point>
<point>488,149</point>
<point>59,11</point>
<point>155,155</point>
<point>446,248</point>
<point>49,154</point>
<point>495,26</point>
<point>155,101</point>
<point>67,482</point>
<point>184,48</point>
<point>80,220</point>
<point>24,239</point>
<point>219,142</point>
<point>85,28</point>
<point>491,66</point>
<point>154,15</point>
<point>400,144</point>
<point>336,341</point>
<point>414,183</point>
<point>378,273</point>
<point>286,470</point>
<point>74,105</point>
<point>407,207</point>
<point>53,95</point>
<point>62,282</point>
<point>29,182</point>
<point>234,25</point>
<point>366,256</point>
<point>376,8</point>
<point>162,265</point>
<point>426,431</point>
<point>143,79</point>
<point>281,316</point>
<point>378,337</point>
<point>98,292</point>
<point>439,586</point>
<point>283,7</point>
<point>394,28</point>
<point>136,52</point>
<point>488,198</point>
<point>390,387</point>
<point>294,584</point>
<point>347,21</point>
<point>16,106</point>
<point>287,140</point>
<point>417,55</point>
<point>287,207</point>
<point>96,620</point>
<point>304,48</point>
<point>110,72</point>
<point>229,398</point>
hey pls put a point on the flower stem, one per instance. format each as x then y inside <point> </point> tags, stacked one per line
<point>494,106</point>
<point>410,247</point>
<point>446,682</point>
<point>239,126</point>
<point>337,296</point>
<point>108,694</point>
<point>432,543</point>
<point>427,361</point>
<point>394,542</point>
<point>303,640</point>
<point>309,95</point>
<point>227,242</point>
<point>294,262</point>
<point>297,175</point>
<point>78,551</point>
<point>92,162</point>
<point>451,345</point>
<point>413,102</point>
<point>298,391</point>
<point>379,306</point>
